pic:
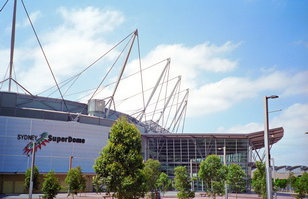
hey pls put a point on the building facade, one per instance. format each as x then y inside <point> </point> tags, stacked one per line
<point>69,139</point>
<point>189,150</point>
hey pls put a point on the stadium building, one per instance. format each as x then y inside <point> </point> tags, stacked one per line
<point>63,142</point>
<point>68,133</point>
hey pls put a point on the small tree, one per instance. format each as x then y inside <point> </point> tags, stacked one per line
<point>75,181</point>
<point>51,186</point>
<point>259,179</point>
<point>97,184</point>
<point>151,172</point>
<point>163,182</point>
<point>182,183</point>
<point>291,180</point>
<point>301,185</point>
<point>235,178</point>
<point>36,182</point>
<point>213,173</point>
<point>281,183</point>
<point>121,164</point>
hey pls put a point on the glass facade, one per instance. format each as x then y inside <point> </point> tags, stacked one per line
<point>189,151</point>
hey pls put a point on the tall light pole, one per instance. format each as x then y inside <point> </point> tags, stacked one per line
<point>32,167</point>
<point>267,150</point>
<point>274,176</point>
<point>225,163</point>
<point>191,176</point>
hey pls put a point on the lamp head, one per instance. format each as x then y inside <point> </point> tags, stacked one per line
<point>272,97</point>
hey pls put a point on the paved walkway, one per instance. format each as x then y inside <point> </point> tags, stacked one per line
<point>171,194</point>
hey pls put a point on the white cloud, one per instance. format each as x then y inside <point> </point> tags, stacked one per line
<point>247,128</point>
<point>78,40</point>
<point>189,62</point>
<point>70,47</point>
<point>221,95</point>
<point>292,148</point>
<point>34,16</point>
<point>90,20</point>
<point>300,43</point>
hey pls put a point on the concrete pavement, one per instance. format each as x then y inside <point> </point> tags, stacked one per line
<point>170,194</point>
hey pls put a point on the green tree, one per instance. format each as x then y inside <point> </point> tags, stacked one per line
<point>75,180</point>
<point>98,184</point>
<point>281,183</point>
<point>36,182</point>
<point>182,183</point>
<point>213,173</point>
<point>151,172</point>
<point>163,182</point>
<point>51,186</point>
<point>121,164</point>
<point>291,180</point>
<point>301,185</point>
<point>259,179</point>
<point>236,178</point>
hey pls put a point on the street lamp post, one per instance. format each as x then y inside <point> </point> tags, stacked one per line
<point>191,176</point>
<point>267,150</point>
<point>225,163</point>
<point>32,167</point>
<point>274,176</point>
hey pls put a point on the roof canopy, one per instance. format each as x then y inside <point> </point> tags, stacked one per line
<point>256,139</point>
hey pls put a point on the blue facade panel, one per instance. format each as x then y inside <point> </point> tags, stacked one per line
<point>56,141</point>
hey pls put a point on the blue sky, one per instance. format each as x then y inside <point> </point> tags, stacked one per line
<point>229,53</point>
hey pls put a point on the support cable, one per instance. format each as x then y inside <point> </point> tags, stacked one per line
<point>172,93</point>
<point>117,59</point>
<point>50,88</point>
<point>156,85</point>
<point>3,5</point>
<point>63,84</point>
<point>37,38</point>
<point>93,63</point>
<point>107,73</point>
<point>183,109</point>
<point>22,87</point>
<point>161,88</point>
<point>166,91</point>
<point>126,77</point>
<point>178,108</point>
<point>121,73</point>
<point>157,111</point>
<point>178,120</point>
<point>2,82</point>
<point>148,105</point>
<point>178,95</point>
<point>15,79</point>
<point>139,57</point>
<point>173,99</point>
<point>78,75</point>
<point>185,115</point>
<point>12,44</point>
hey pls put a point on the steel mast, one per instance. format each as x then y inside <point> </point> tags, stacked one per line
<point>12,44</point>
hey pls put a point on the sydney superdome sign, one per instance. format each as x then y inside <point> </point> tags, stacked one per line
<point>46,138</point>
